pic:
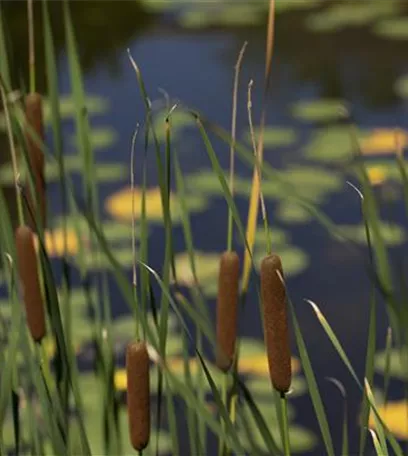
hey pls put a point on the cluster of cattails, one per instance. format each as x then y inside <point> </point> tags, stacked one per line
<point>138,394</point>
<point>34,139</point>
<point>30,282</point>
<point>273,293</point>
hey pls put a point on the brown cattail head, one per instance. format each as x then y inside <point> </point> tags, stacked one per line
<point>227,305</point>
<point>276,322</point>
<point>28,272</point>
<point>34,118</point>
<point>138,394</point>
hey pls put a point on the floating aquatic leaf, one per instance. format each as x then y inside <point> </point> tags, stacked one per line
<point>392,234</point>
<point>395,28</point>
<point>294,260</point>
<point>301,439</point>
<point>376,174</point>
<point>398,363</point>
<point>232,15</point>
<point>179,120</point>
<point>263,386</point>
<point>207,265</point>
<point>332,144</point>
<point>120,204</point>
<point>395,416</point>
<point>285,5</point>
<point>275,136</point>
<point>100,137</point>
<point>278,236</point>
<point>323,110</point>
<point>105,172</point>
<point>292,213</point>
<point>350,14</point>
<point>401,86</point>
<point>383,141</point>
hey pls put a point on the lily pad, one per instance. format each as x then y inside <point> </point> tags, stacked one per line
<point>291,5</point>
<point>274,136</point>
<point>401,86</point>
<point>394,29</point>
<point>324,110</point>
<point>383,141</point>
<point>100,137</point>
<point>301,439</point>
<point>263,387</point>
<point>350,14</point>
<point>94,104</point>
<point>292,213</point>
<point>392,234</point>
<point>330,145</point>
<point>229,15</point>
<point>294,259</point>
<point>395,417</point>
<point>120,204</point>
<point>207,266</point>
<point>398,367</point>
<point>104,172</point>
<point>179,120</point>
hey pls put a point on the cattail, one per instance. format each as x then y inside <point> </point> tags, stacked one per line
<point>227,303</point>
<point>276,322</point>
<point>28,271</point>
<point>138,394</point>
<point>34,119</point>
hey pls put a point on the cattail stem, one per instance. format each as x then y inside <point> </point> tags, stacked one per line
<point>35,136</point>
<point>276,322</point>
<point>138,394</point>
<point>28,271</point>
<point>227,305</point>
<point>285,436</point>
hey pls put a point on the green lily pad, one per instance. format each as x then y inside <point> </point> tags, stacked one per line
<point>398,366</point>
<point>350,14</point>
<point>274,136</point>
<point>292,213</point>
<point>104,172</point>
<point>395,28</point>
<point>277,236</point>
<point>94,104</point>
<point>330,145</point>
<point>179,120</point>
<point>207,266</point>
<point>301,439</point>
<point>294,259</point>
<point>324,110</point>
<point>392,234</point>
<point>229,15</point>
<point>292,5</point>
<point>263,387</point>
<point>100,137</point>
<point>401,86</point>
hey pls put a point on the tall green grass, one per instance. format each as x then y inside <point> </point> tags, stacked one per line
<point>51,389</point>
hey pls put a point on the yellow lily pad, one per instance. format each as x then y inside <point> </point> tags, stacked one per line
<point>383,141</point>
<point>395,416</point>
<point>120,204</point>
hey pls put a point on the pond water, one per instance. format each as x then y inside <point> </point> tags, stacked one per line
<point>316,58</point>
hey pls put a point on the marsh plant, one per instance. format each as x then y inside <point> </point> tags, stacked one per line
<point>190,382</point>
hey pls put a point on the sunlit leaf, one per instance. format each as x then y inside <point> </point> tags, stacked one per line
<point>207,265</point>
<point>392,234</point>
<point>323,110</point>
<point>101,137</point>
<point>294,260</point>
<point>383,141</point>
<point>395,28</point>
<point>398,367</point>
<point>292,213</point>
<point>120,204</point>
<point>395,416</point>
<point>274,136</point>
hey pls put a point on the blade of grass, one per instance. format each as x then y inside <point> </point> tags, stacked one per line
<point>312,385</point>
